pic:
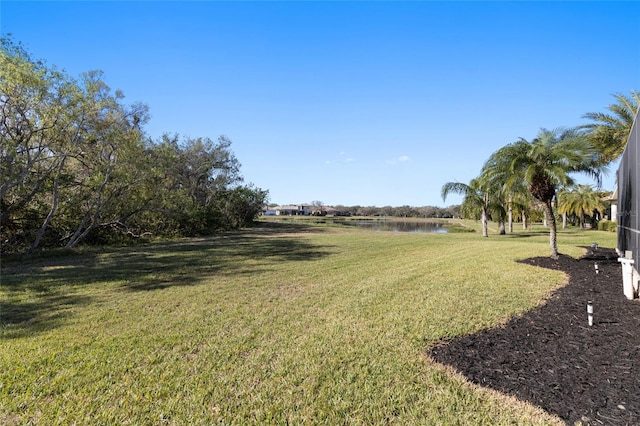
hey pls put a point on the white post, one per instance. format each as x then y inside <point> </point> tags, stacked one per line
<point>627,277</point>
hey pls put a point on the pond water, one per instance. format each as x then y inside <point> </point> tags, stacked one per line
<point>397,225</point>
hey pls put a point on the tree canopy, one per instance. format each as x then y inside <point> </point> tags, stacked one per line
<point>78,167</point>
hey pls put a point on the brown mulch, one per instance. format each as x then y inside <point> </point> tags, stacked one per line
<point>552,358</point>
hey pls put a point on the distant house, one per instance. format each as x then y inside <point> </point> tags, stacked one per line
<point>628,215</point>
<point>613,199</point>
<point>303,210</point>
<point>293,210</point>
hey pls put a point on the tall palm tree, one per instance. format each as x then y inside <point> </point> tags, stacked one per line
<point>582,200</point>
<point>543,165</point>
<point>609,132</point>
<point>475,198</point>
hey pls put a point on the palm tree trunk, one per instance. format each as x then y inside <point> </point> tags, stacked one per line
<point>483,218</point>
<point>564,221</point>
<point>553,240</point>
<point>510,218</point>
<point>524,220</point>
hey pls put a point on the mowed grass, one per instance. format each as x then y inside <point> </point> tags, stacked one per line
<point>285,323</point>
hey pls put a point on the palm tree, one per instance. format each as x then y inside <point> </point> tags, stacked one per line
<point>543,165</point>
<point>498,202</point>
<point>521,205</point>
<point>581,200</point>
<point>475,198</point>
<point>609,132</point>
<point>512,192</point>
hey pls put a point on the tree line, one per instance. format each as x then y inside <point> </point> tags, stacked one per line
<point>78,167</point>
<point>401,211</point>
<point>539,174</point>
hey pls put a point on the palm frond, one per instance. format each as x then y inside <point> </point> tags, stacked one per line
<point>609,131</point>
<point>454,188</point>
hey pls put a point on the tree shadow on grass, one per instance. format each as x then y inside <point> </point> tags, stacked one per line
<point>40,292</point>
<point>23,319</point>
<point>552,358</point>
<point>529,234</point>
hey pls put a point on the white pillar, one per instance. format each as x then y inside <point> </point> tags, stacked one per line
<point>628,285</point>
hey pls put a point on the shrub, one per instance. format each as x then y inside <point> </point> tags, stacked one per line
<point>607,225</point>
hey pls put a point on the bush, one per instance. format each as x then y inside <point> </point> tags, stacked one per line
<point>607,225</point>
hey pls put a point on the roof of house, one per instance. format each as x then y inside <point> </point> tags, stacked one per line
<point>611,197</point>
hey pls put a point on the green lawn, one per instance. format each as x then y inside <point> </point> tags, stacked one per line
<point>283,323</point>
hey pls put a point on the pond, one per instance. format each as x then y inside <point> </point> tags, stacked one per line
<point>397,225</point>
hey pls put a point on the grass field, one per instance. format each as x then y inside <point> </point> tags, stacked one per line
<point>285,323</point>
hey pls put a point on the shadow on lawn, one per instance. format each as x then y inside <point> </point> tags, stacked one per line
<point>39,292</point>
<point>529,233</point>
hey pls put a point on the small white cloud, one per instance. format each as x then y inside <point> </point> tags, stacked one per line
<point>342,159</point>
<point>401,159</point>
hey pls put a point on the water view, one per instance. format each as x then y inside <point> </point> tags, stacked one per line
<point>397,225</point>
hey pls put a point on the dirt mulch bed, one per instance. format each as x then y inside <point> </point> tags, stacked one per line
<point>552,358</point>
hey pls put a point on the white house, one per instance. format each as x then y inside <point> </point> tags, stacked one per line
<point>293,210</point>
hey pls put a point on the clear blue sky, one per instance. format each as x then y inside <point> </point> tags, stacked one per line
<point>369,103</point>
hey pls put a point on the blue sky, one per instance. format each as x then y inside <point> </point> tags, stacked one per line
<point>354,103</point>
